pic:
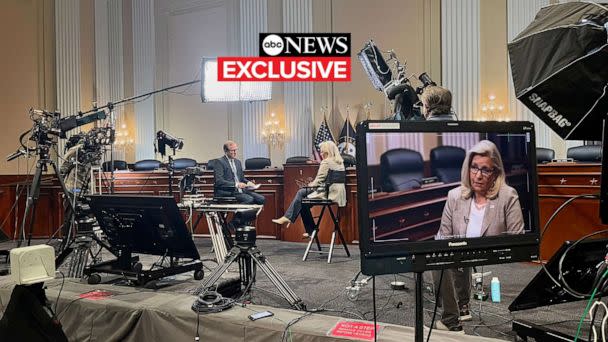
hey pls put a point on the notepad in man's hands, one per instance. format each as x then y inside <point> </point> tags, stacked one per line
<point>253,186</point>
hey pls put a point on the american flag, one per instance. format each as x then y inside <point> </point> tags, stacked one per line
<point>323,134</point>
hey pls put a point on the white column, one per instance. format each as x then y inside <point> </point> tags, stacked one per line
<point>254,19</point>
<point>67,35</point>
<point>109,66</point>
<point>520,14</point>
<point>144,51</point>
<point>460,55</point>
<point>297,17</point>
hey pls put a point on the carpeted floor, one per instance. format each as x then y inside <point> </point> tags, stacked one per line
<point>322,286</point>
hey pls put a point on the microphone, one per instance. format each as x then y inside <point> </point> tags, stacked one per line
<point>20,152</point>
<point>416,180</point>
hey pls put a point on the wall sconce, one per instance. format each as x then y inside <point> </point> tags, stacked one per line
<point>272,133</point>
<point>491,110</point>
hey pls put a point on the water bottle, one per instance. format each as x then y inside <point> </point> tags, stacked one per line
<point>495,289</point>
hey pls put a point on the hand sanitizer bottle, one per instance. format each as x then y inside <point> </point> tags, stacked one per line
<point>495,287</point>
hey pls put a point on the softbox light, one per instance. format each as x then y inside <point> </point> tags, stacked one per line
<point>214,91</point>
<point>560,68</point>
<point>375,66</point>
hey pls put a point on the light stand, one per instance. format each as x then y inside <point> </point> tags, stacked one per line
<point>604,174</point>
<point>419,326</point>
<point>113,125</point>
<point>170,168</point>
<point>163,139</point>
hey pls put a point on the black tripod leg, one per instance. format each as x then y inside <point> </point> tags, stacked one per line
<point>218,271</point>
<point>30,205</point>
<point>337,228</point>
<point>69,220</point>
<point>276,279</point>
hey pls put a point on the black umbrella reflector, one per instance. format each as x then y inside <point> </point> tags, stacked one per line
<point>559,65</point>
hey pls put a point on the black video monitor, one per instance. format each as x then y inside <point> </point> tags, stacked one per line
<point>416,213</point>
<point>579,268</point>
<point>144,224</point>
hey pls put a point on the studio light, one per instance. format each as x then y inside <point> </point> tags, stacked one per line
<point>214,91</point>
<point>375,66</point>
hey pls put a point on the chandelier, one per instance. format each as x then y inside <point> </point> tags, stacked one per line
<point>272,133</point>
<point>491,111</point>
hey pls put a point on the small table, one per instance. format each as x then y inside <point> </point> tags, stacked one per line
<point>216,214</point>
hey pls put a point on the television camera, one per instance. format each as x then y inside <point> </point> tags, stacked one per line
<point>47,127</point>
<point>84,150</point>
<point>393,81</point>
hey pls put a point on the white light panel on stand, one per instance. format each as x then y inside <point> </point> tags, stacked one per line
<point>214,91</point>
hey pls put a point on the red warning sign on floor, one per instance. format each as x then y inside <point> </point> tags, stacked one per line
<point>96,295</point>
<point>354,330</point>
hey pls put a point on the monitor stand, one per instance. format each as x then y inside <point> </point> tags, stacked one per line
<point>143,225</point>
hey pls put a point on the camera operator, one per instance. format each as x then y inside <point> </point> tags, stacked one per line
<point>437,104</point>
<point>452,286</point>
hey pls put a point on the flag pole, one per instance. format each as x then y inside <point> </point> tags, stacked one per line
<point>347,126</point>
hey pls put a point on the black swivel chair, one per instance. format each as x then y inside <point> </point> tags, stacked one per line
<point>183,163</point>
<point>586,153</point>
<point>401,169</point>
<point>544,155</point>
<point>333,177</point>
<point>118,165</point>
<point>348,160</point>
<point>221,194</point>
<point>210,164</point>
<point>146,165</point>
<point>446,163</point>
<point>297,160</point>
<point>257,163</point>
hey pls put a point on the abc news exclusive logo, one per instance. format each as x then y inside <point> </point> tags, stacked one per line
<point>294,57</point>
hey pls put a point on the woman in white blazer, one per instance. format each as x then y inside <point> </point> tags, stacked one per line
<point>337,192</point>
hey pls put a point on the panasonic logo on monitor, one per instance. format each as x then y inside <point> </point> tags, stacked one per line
<point>547,109</point>
<point>457,244</point>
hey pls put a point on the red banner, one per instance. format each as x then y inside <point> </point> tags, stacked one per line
<point>284,69</point>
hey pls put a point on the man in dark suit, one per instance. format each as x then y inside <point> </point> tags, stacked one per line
<point>230,180</point>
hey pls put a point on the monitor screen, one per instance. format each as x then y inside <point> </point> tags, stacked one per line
<point>144,224</point>
<point>437,190</point>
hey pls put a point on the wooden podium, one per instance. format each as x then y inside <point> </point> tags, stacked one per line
<point>558,182</point>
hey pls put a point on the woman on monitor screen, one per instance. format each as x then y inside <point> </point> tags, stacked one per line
<point>332,160</point>
<point>483,205</point>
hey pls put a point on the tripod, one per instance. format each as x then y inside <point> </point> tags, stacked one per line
<point>79,227</point>
<point>34,194</point>
<point>248,258</point>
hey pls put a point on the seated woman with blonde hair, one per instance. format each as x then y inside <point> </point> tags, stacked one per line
<point>332,160</point>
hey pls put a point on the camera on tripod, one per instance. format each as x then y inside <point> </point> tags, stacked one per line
<point>245,234</point>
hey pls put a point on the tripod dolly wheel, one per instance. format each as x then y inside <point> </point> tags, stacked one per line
<point>94,279</point>
<point>199,274</point>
